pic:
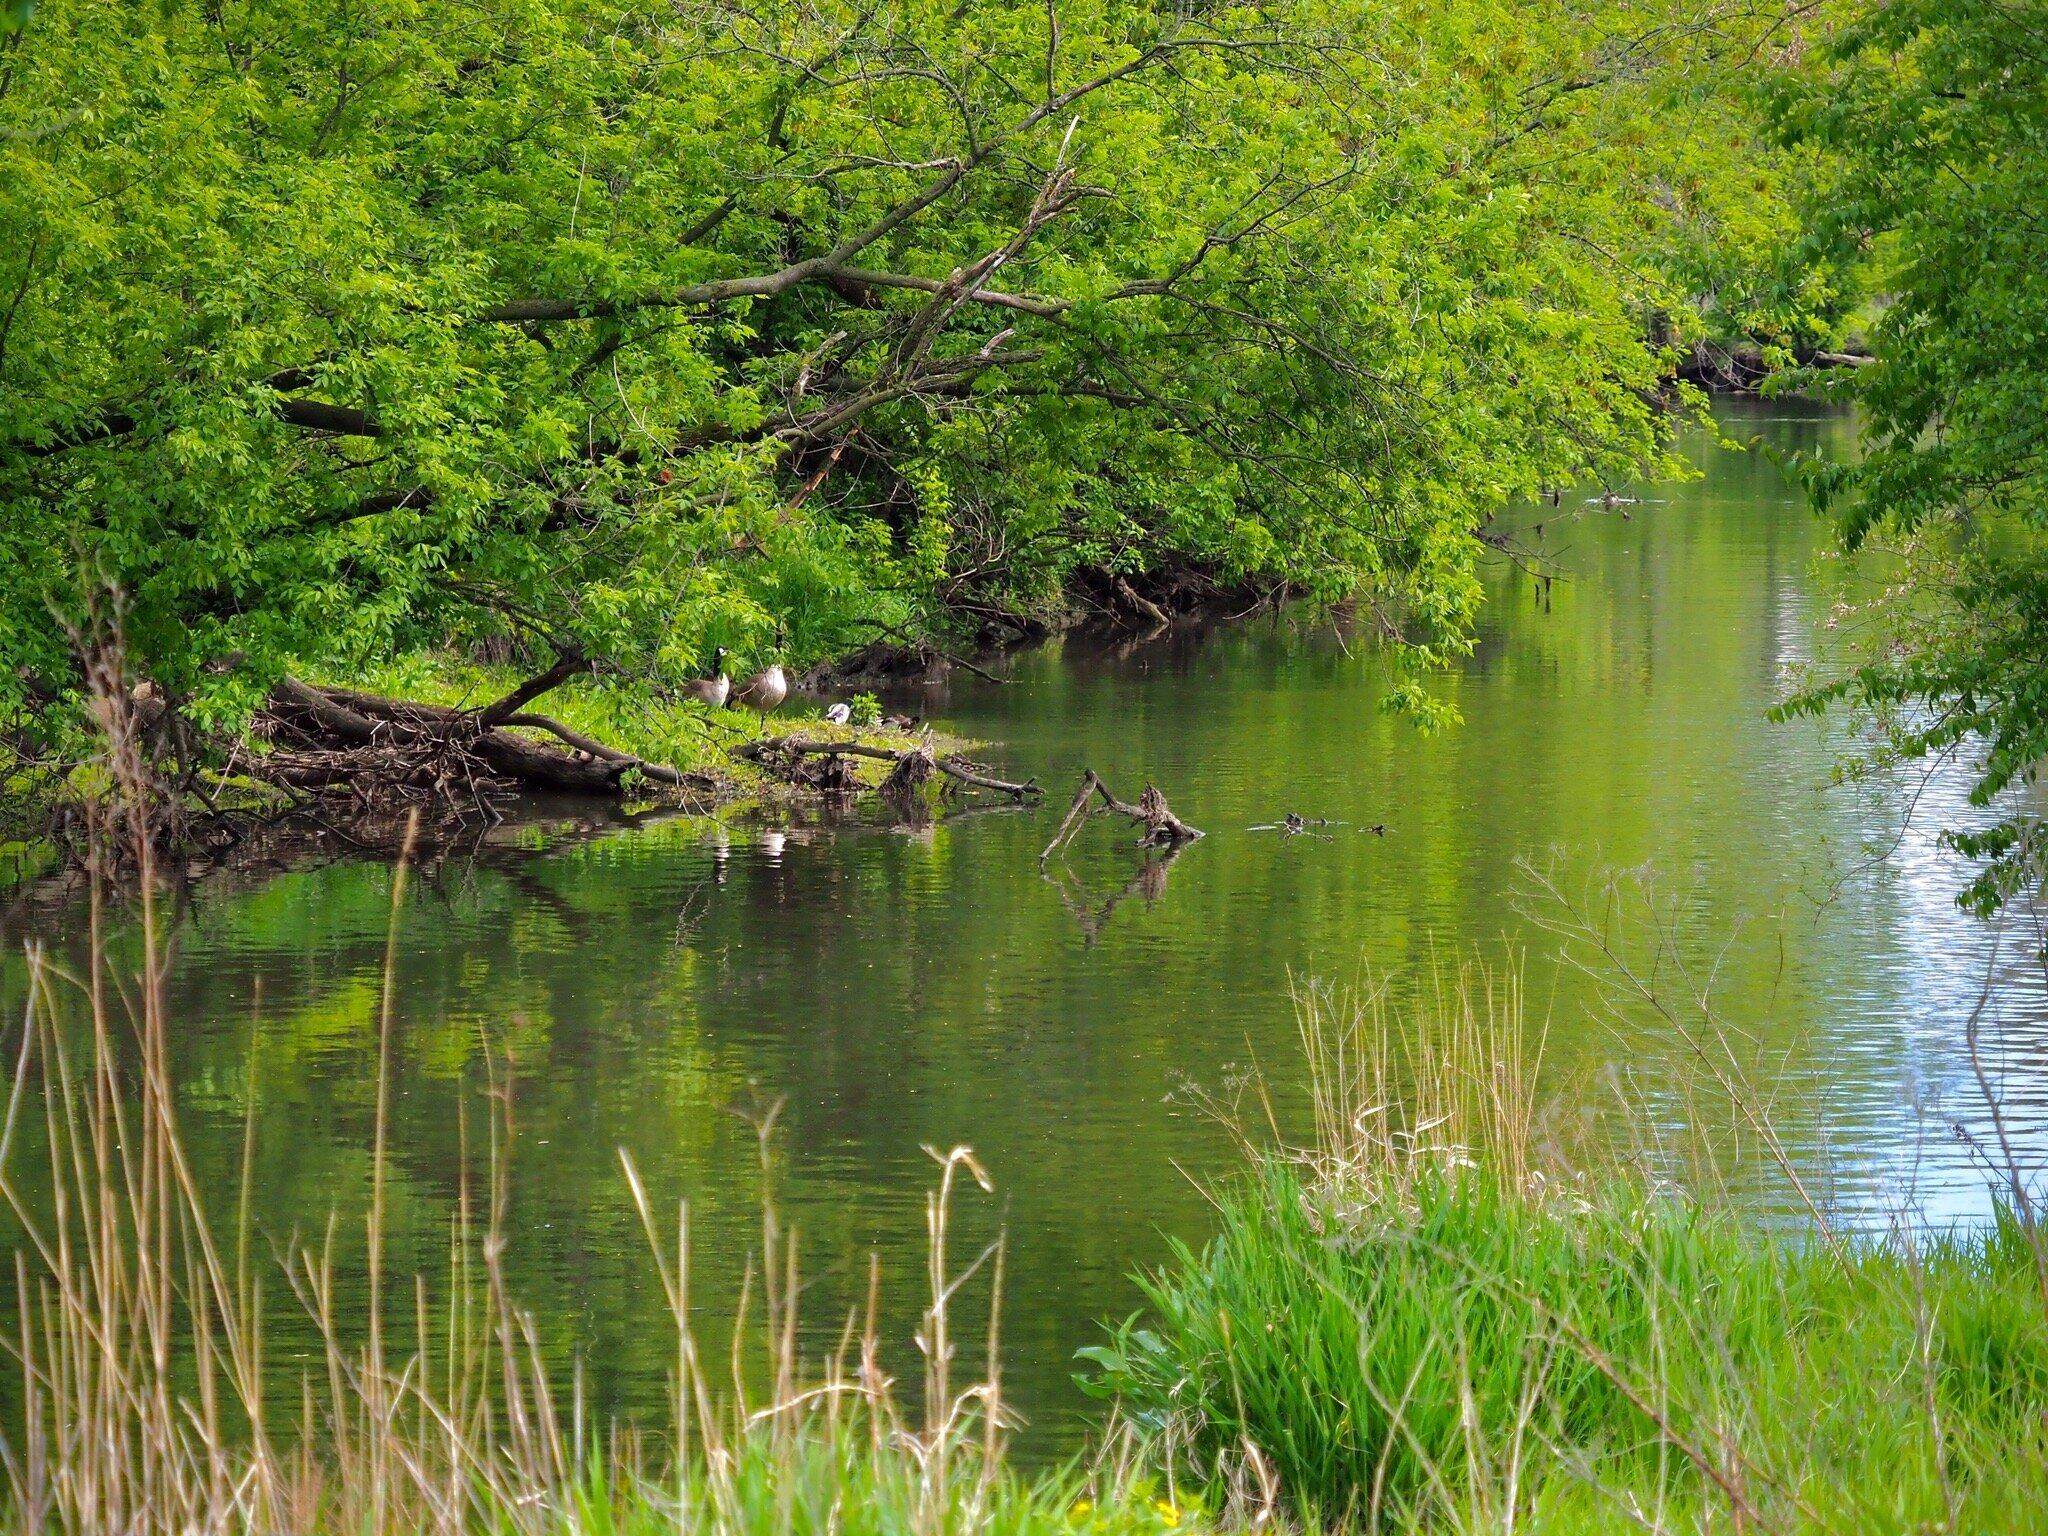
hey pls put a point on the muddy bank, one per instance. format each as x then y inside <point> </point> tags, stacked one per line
<point>1100,603</point>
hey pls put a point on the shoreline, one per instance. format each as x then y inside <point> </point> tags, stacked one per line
<point>710,762</point>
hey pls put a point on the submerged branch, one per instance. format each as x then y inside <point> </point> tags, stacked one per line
<point>952,766</point>
<point>1163,829</point>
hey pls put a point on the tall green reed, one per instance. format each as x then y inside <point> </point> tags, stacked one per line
<point>1440,1312</point>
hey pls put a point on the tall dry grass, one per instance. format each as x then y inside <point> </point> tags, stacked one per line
<point>147,1399</point>
<point>1398,1087</point>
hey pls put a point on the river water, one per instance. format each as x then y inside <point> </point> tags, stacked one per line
<point>896,988</point>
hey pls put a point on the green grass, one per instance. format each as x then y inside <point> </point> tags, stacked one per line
<point>1391,1330</point>
<point>1461,1348</point>
<point>837,1484</point>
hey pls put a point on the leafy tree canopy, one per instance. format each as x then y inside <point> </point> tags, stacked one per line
<point>333,330</point>
<point>1935,115</point>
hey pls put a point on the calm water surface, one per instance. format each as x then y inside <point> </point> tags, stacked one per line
<point>901,988</point>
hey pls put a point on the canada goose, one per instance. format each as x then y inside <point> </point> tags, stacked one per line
<point>713,690</point>
<point>839,714</point>
<point>763,691</point>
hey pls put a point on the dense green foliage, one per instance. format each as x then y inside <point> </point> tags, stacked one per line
<point>1749,292</point>
<point>1438,1314</point>
<point>1935,114</point>
<point>331,332</point>
<point>1447,1346</point>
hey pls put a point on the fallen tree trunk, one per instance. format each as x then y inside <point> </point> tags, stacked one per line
<point>411,713</point>
<point>956,768</point>
<point>1163,829</point>
<point>339,737</point>
<point>1138,603</point>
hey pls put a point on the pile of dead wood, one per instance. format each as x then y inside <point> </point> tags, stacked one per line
<point>336,741</point>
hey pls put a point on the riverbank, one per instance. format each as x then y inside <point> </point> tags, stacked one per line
<point>1429,1315</point>
<point>421,751</point>
<point>327,741</point>
<point>712,755</point>
<point>1443,1314</point>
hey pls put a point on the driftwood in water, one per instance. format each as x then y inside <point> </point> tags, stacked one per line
<point>913,765</point>
<point>1163,829</point>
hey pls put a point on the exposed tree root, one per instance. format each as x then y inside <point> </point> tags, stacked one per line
<point>913,770</point>
<point>1146,603</point>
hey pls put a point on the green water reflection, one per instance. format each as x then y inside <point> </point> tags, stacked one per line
<point>900,988</point>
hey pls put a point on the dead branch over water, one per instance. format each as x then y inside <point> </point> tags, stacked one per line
<point>1163,829</point>
<point>912,764</point>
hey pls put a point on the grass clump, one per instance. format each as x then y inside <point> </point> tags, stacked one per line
<point>1432,1317</point>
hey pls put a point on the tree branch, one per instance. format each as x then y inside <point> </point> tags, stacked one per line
<point>567,665</point>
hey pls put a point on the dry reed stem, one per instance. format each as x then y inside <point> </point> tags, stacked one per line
<point>141,1345</point>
